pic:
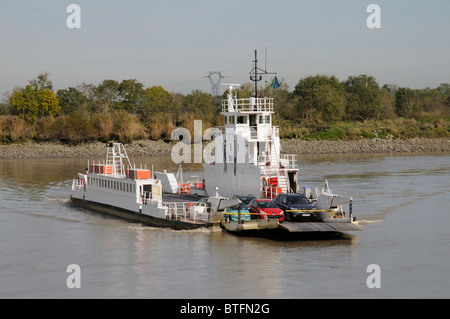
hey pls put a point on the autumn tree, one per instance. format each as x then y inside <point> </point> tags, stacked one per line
<point>32,102</point>
<point>25,103</point>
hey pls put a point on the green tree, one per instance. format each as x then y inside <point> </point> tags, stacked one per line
<point>386,108</point>
<point>320,94</point>
<point>406,102</point>
<point>431,100</point>
<point>70,100</point>
<point>131,93</point>
<point>201,105</point>
<point>155,100</point>
<point>106,96</point>
<point>363,95</point>
<point>444,88</point>
<point>42,82</point>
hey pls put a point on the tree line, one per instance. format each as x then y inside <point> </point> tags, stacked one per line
<point>127,110</point>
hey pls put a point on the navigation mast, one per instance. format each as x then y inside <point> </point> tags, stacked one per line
<point>255,77</point>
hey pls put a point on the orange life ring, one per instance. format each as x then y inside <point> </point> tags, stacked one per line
<point>185,188</point>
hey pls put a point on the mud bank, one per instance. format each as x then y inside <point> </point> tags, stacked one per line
<point>161,148</point>
<point>366,146</point>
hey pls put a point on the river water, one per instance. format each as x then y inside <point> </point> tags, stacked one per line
<point>401,200</point>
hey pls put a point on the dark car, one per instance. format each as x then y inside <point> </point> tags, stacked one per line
<point>244,198</point>
<point>296,207</point>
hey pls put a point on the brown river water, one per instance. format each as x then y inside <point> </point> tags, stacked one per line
<point>401,200</point>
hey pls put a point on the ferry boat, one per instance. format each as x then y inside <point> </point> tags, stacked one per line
<point>117,188</point>
<point>247,159</point>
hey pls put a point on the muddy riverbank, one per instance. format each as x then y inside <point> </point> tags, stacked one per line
<point>292,146</point>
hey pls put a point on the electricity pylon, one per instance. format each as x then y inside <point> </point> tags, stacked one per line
<point>215,83</point>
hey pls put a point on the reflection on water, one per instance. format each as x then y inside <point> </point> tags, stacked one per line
<point>401,200</point>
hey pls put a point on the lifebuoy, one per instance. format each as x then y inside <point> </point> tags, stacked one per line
<point>185,188</point>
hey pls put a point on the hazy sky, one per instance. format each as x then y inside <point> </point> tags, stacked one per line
<point>176,43</point>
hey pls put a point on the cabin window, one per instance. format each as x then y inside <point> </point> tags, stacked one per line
<point>267,119</point>
<point>241,120</point>
<point>261,119</point>
<point>230,119</point>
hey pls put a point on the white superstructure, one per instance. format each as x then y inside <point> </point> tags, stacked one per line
<point>248,157</point>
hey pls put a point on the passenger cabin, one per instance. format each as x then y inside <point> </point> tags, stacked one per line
<point>116,178</point>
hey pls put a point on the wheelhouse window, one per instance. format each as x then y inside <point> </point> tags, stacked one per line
<point>241,120</point>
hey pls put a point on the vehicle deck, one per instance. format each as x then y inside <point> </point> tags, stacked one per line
<point>172,198</point>
<point>296,227</point>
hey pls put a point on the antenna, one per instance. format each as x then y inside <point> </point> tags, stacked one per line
<point>255,77</point>
<point>215,83</point>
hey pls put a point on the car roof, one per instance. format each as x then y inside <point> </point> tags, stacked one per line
<point>263,200</point>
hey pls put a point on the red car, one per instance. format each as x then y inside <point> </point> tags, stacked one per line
<point>265,207</point>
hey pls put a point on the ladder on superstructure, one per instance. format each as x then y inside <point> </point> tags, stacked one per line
<point>282,178</point>
<point>115,155</point>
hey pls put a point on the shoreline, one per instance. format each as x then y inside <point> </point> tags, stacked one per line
<point>291,146</point>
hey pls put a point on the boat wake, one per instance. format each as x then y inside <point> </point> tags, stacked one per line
<point>369,221</point>
<point>59,200</point>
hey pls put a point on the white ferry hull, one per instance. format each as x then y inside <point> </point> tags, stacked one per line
<point>138,217</point>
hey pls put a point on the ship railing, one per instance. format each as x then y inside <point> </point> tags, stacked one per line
<point>194,182</point>
<point>251,133</point>
<point>264,104</point>
<point>263,161</point>
<point>78,184</point>
<point>276,131</point>
<point>180,210</point>
<point>270,192</point>
<point>287,161</point>
<point>147,199</point>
